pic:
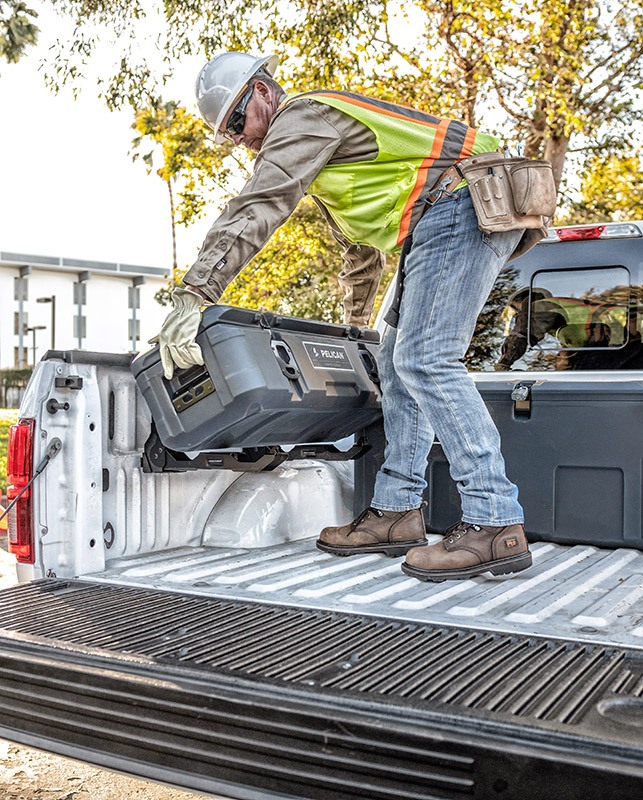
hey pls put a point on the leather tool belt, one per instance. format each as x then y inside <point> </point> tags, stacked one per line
<point>508,194</point>
<point>511,194</point>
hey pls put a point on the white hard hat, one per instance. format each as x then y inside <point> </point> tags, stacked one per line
<point>222,80</point>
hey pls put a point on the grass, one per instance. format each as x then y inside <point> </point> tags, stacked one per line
<point>8,417</point>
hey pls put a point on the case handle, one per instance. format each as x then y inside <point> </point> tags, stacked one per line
<point>370,364</point>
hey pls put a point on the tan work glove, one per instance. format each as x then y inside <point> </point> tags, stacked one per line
<point>176,338</point>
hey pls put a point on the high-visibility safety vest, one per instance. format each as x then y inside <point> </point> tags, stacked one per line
<point>377,202</point>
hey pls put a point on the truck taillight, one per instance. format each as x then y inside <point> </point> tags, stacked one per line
<point>606,230</point>
<point>580,232</point>
<point>19,473</point>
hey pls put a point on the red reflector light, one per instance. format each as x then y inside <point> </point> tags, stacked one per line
<point>20,455</point>
<point>580,232</point>
<point>19,473</point>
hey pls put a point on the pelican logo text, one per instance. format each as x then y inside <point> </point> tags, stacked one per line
<point>328,356</point>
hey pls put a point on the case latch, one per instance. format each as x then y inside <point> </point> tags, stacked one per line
<point>285,358</point>
<point>521,395</point>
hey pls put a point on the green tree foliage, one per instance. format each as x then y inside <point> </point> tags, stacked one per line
<point>188,162</point>
<point>13,379</point>
<point>557,69</point>
<point>8,417</point>
<point>611,190</point>
<point>17,29</point>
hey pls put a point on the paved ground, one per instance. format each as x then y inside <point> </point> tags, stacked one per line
<point>27,774</point>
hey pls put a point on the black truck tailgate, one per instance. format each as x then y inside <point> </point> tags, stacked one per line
<point>252,700</point>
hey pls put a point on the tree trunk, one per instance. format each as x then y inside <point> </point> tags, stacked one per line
<point>555,152</point>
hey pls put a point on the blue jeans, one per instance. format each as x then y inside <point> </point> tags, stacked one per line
<point>426,390</point>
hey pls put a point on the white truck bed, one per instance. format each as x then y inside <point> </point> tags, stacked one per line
<point>582,593</point>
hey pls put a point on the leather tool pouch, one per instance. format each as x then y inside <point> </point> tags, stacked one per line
<point>511,194</point>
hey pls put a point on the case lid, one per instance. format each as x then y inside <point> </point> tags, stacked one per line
<point>266,319</point>
<point>215,314</point>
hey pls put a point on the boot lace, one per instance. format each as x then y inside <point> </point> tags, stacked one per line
<point>459,530</point>
<point>365,513</point>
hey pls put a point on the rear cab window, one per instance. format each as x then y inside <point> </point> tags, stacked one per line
<point>573,304</point>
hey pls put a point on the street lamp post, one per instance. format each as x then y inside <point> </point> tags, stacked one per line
<point>51,300</point>
<point>33,339</point>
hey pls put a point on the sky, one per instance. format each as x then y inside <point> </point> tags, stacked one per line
<point>68,186</point>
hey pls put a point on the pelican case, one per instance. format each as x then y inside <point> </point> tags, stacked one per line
<point>267,380</point>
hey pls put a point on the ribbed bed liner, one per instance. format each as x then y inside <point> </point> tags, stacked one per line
<point>581,593</point>
<point>530,678</point>
<point>313,703</point>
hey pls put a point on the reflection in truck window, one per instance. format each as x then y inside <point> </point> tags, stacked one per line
<point>574,319</point>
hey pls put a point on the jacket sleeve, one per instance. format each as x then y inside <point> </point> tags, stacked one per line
<point>360,276</point>
<point>300,141</point>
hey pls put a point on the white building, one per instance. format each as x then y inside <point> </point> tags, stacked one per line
<point>67,304</point>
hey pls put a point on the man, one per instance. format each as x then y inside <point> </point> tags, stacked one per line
<point>374,169</point>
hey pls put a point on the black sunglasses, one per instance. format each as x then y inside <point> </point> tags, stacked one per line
<point>237,120</point>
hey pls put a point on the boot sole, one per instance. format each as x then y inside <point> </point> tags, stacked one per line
<point>391,550</point>
<point>503,566</point>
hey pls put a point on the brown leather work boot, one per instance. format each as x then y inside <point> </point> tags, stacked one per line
<point>469,550</point>
<point>375,531</point>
